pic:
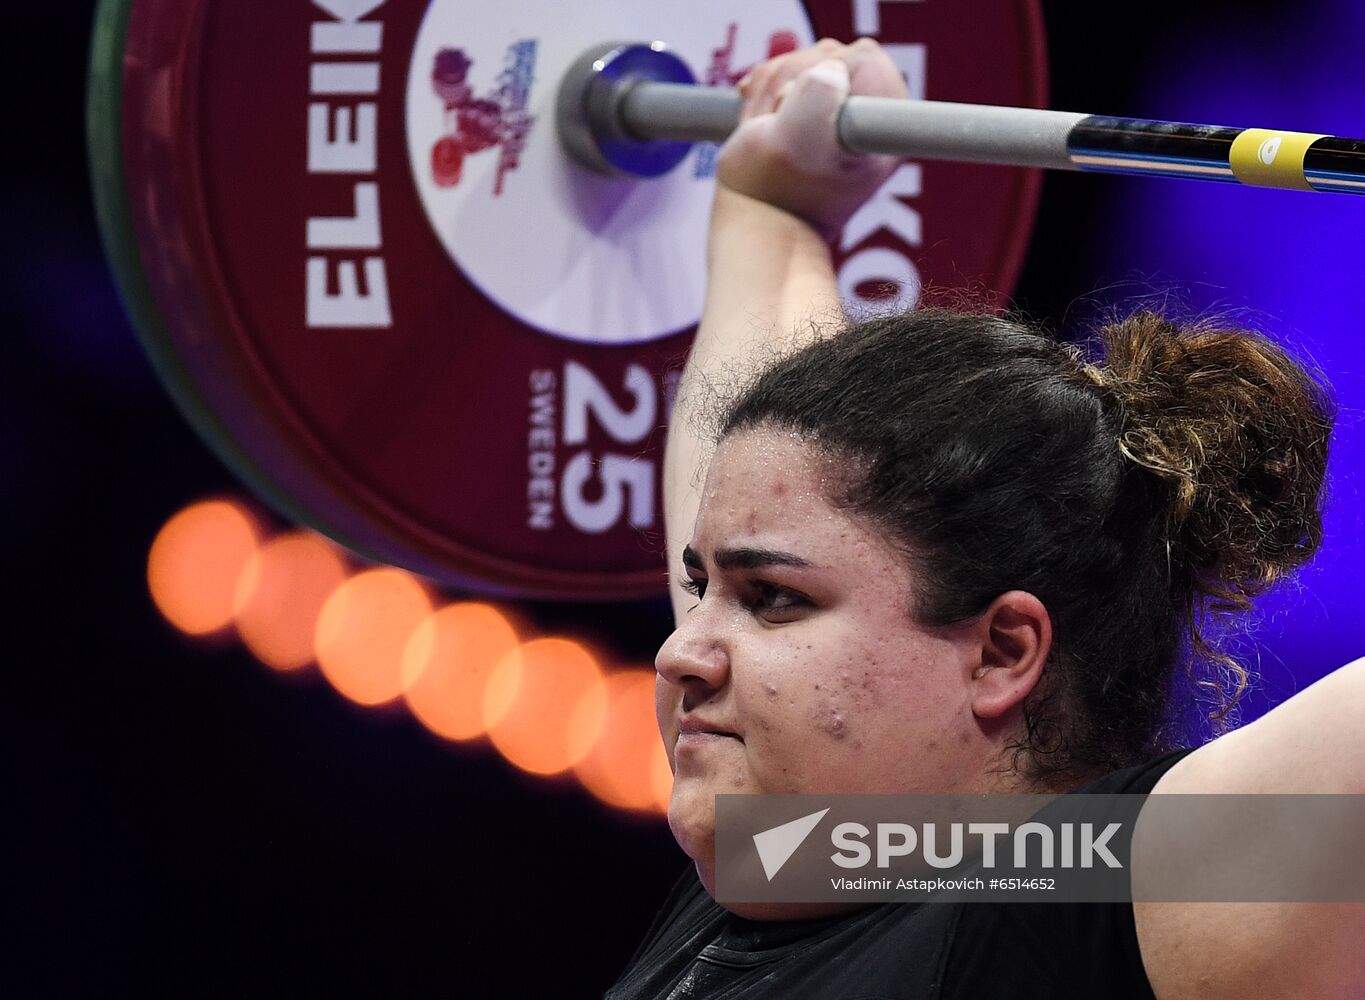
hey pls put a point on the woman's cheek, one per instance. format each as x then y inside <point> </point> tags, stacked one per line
<point>666,697</point>
<point>829,721</point>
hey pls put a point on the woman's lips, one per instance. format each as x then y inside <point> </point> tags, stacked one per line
<point>700,742</point>
<point>692,733</point>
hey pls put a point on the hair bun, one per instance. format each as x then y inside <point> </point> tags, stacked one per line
<point>1238,430</point>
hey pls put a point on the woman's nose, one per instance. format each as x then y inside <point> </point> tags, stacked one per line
<point>694,655</point>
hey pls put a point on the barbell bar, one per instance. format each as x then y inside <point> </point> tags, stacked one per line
<point>634,109</point>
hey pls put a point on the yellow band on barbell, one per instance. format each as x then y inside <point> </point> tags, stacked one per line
<point>1266,158</point>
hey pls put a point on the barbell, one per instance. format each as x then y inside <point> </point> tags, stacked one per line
<point>365,268</point>
<point>633,108</point>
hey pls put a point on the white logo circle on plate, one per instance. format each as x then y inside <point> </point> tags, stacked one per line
<point>573,254</point>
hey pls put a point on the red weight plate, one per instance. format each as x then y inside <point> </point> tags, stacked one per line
<point>393,304</point>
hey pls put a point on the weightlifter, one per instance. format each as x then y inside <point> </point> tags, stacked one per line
<point>942,553</point>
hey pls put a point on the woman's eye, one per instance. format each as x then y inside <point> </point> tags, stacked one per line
<point>697,588</point>
<point>775,603</point>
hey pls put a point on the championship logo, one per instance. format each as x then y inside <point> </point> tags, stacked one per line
<point>475,124</point>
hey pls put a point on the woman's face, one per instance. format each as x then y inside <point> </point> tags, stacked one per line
<point>800,667</point>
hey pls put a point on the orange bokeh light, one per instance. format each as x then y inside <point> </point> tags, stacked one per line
<point>362,631</point>
<point>280,595</point>
<point>620,768</point>
<point>447,663</point>
<point>194,563</point>
<point>545,705</point>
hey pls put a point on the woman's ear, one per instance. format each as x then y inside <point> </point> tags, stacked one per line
<point>1013,639</point>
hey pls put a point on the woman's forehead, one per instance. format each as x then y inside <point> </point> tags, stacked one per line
<point>770,489</point>
<point>764,465</point>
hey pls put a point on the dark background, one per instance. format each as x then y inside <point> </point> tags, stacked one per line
<point>181,821</point>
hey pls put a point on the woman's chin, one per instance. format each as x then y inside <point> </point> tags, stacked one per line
<point>692,818</point>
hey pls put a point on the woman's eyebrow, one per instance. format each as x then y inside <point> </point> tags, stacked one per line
<point>746,558</point>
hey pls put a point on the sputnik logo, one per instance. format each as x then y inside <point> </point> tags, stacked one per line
<point>1270,149</point>
<point>776,846</point>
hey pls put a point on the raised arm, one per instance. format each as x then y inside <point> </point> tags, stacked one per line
<point>1311,744</point>
<point>784,189</point>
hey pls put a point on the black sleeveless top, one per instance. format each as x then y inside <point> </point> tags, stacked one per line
<point>929,951</point>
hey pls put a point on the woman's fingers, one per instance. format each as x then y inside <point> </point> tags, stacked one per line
<point>786,150</point>
<point>807,114</point>
<point>761,94</point>
<point>872,72</point>
<point>870,69</point>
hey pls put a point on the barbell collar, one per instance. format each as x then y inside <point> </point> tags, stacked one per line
<point>589,111</point>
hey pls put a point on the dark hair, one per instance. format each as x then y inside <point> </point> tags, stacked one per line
<point>1135,500</point>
